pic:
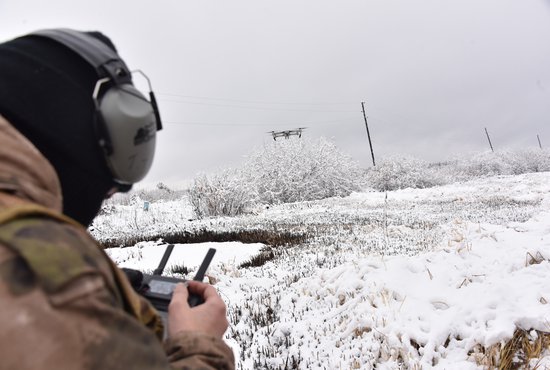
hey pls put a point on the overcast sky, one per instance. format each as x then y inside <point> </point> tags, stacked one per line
<point>433,73</point>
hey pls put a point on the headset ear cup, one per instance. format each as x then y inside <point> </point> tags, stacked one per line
<point>130,133</point>
<point>102,133</point>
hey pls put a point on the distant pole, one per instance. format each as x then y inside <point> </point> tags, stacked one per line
<point>488,138</point>
<point>368,133</point>
<point>538,138</point>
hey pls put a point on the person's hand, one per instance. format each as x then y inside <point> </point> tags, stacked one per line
<point>209,317</point>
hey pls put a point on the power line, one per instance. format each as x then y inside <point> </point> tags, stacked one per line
<point>261,108</point>
<point>192,123</point>
<point>249,101</point>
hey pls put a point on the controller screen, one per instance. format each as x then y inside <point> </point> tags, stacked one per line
<point>162,287</point>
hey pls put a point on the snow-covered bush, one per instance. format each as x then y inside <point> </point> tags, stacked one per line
<point>160,192</point>
<point>221,194</point>
<point>482,164</point>
<point>502,163</point>
<point>401,172</point>
<point>295,170</point>
<point>284,171</point>
<point>527,161</point>
<point>405,172</point>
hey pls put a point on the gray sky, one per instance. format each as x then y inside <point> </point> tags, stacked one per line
<point>433,73</point>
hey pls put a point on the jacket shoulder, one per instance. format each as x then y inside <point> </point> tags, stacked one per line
<point>57,253</point>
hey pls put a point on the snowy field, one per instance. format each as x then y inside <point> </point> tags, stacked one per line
<point>437,278</point>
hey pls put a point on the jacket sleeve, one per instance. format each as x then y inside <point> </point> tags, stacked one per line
<point>79,322</point>
<point>198,351</point>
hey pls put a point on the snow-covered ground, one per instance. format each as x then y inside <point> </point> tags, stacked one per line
<point>433,278</point>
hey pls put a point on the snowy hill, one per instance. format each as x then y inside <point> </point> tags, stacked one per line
<point>435,278</point>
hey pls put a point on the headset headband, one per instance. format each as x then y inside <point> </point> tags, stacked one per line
<point>106,61</point>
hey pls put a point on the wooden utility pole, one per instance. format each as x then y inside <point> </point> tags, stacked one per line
<point>488,138</point>
<point>368,133</point>
<point>538,138</point>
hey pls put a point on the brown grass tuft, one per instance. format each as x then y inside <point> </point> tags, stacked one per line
<point>534,259</point>
<point>514,354</point>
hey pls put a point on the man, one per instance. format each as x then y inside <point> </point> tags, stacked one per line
<point>74,130</point>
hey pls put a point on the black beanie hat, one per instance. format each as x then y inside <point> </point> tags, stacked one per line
<point>46,93</point>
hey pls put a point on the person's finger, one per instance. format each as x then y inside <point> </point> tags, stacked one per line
<point>196,287</point>
<point>181,290</point>
<point>179,297</point>
<point>209,293</point>
<point>206,291</point>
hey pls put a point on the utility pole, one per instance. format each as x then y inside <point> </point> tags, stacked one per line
<point>368,133</point>
<point>538,138</point>
<point>488,138</point>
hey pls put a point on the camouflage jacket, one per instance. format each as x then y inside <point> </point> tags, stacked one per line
<point>63,303</point>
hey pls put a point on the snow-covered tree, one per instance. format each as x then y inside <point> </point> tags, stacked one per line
<point>295,170</point>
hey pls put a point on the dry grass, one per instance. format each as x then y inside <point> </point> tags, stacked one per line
<point>261,259</point>
<point>516,353</point>
<point>272,238</point>
<point>535,259</point>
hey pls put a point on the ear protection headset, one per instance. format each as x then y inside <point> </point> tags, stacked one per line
<point>125,121</point>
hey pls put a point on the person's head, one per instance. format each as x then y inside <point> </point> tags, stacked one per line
<point>72,96</point>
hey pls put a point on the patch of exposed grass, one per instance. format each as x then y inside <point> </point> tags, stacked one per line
<point>259,259</point>
<point>272,238</point>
